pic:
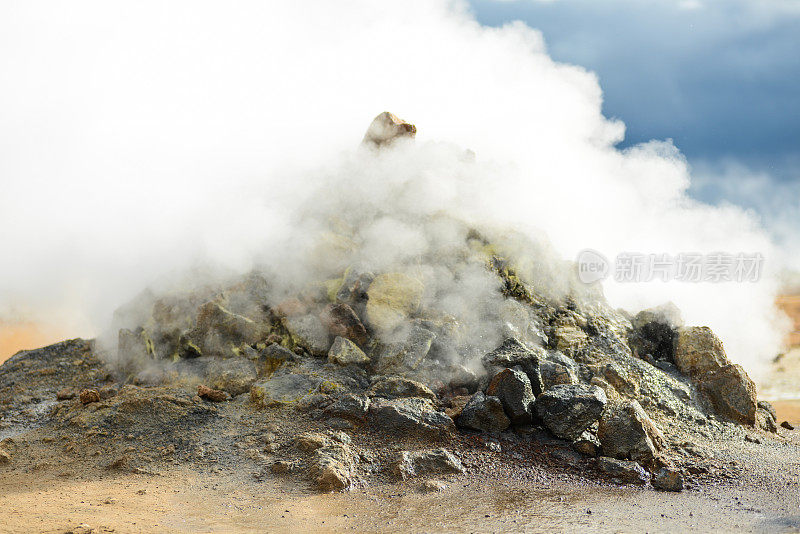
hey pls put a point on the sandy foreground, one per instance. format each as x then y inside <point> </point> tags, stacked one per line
<point>764,498</point>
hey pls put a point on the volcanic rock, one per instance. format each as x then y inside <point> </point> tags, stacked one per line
<point>512,353</point>
<point>426,463</point>
<point>554,374</point>
<point>274,356</point>
<point>732,393</point>
<point>432,486</point>
<point>392,297</point>
<point>66,394</point>
<point>698,351</point>
<point>234,375</point>
<point>787,425</point>
<point>283,389</point>
<point>89,395</point>
<point>392,387</point>
<point>569,409</point>
<point>484,413</point>
<point>623,471</point>
<point>308,332</point>
<point>412,416</point>
<point>570,339</point>
<point>626,431</point>
<point>214,395</point>
<point>667,479</point>
<point>217,328</point>
<point>332,466</point>
<point>654,332</point>
<point>5,457</point>
<point>587,444</point>
<point>341,320</point>
<point>513,389</point>
<point>345,352</point>
<point>386,128</point>
<point>349,406</point>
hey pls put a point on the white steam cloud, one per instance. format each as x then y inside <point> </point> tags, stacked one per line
<point>139,140</point>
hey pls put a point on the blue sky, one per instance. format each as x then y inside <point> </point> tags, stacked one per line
<point>720,78</point>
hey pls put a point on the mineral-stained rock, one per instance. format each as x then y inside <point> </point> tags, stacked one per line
<point>457,406</point>
<point>408,353</point>
<point>484,413</point>
<point>5,457</point>
<point>569,409</point>
<point>570,339</point>
<point>667,479</point>
<point>349,406</point>
<point>345,352</point>
<point>623,471</point>
<point>341,320</point>
<point>617,376</point>
<point>331,463</point>
<point>311,441</point>
<point>274,356</point>
<point>587,444</point>
<point>392,297</point>
<point>89,395</point>
<point>626,431</point>
<point>412,416</point>
<point>732,393</point>
<point>386,128</point>
<point>283,388</point>
<point>511,354</point>
<point>426,463</point>
<point>213,395</point>
<point>211,317</point>
<point>308,332</point>
<point>698,351</point>
<point>513,389</point>
<point>234,375</point>
<point>396,386</point>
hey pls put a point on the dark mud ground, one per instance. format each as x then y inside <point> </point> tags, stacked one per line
<point>163,460</point>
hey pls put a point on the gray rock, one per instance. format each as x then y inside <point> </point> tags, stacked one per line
<point>765,420</point>
<point>345,352</point>
<point>623,471</point>
<point>274,356</point>
<point>393,387</point>
<point>554,374</point>
<point>332,467</point>
<point>484,413</point>
<point>698,351</point>
<point>349,406</point>
<point>341,320</point>
<point>767,407</point>
<point>412,416</point>
<point>568,410</point>
<point>234,375</point>
<point>626,431</point>
<point>283,389</point>
<point>732,393</point>
<point>513,389</point>
<point>654,332</point>
<point>432,486</point>
<point>308,332</point>
<point>408,353</point>
<point>587,444</point>
<point>426,463</point>
<point>511,354</point>
<point>667,479</point>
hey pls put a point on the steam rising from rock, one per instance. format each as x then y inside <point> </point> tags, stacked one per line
<point>215,139</point>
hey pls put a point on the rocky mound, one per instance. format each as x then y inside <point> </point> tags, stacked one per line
<point>370,373</point>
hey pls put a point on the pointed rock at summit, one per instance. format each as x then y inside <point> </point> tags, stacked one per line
<point>387,127</point>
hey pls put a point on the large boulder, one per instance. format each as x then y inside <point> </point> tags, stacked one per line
<point>732,393</point>
<point>484,413</point>
<point>308,332</point>
<point>627,432</point>
<point>512,353</point>
<point>426,463</point>
<point>513,389</point>
<point>654,332</point>
<point>569,409</point>
<point>698,351</point>
<point>283,388</point>
<point>349,406</point>
<point>392,298</point>
<point>410,416</point>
